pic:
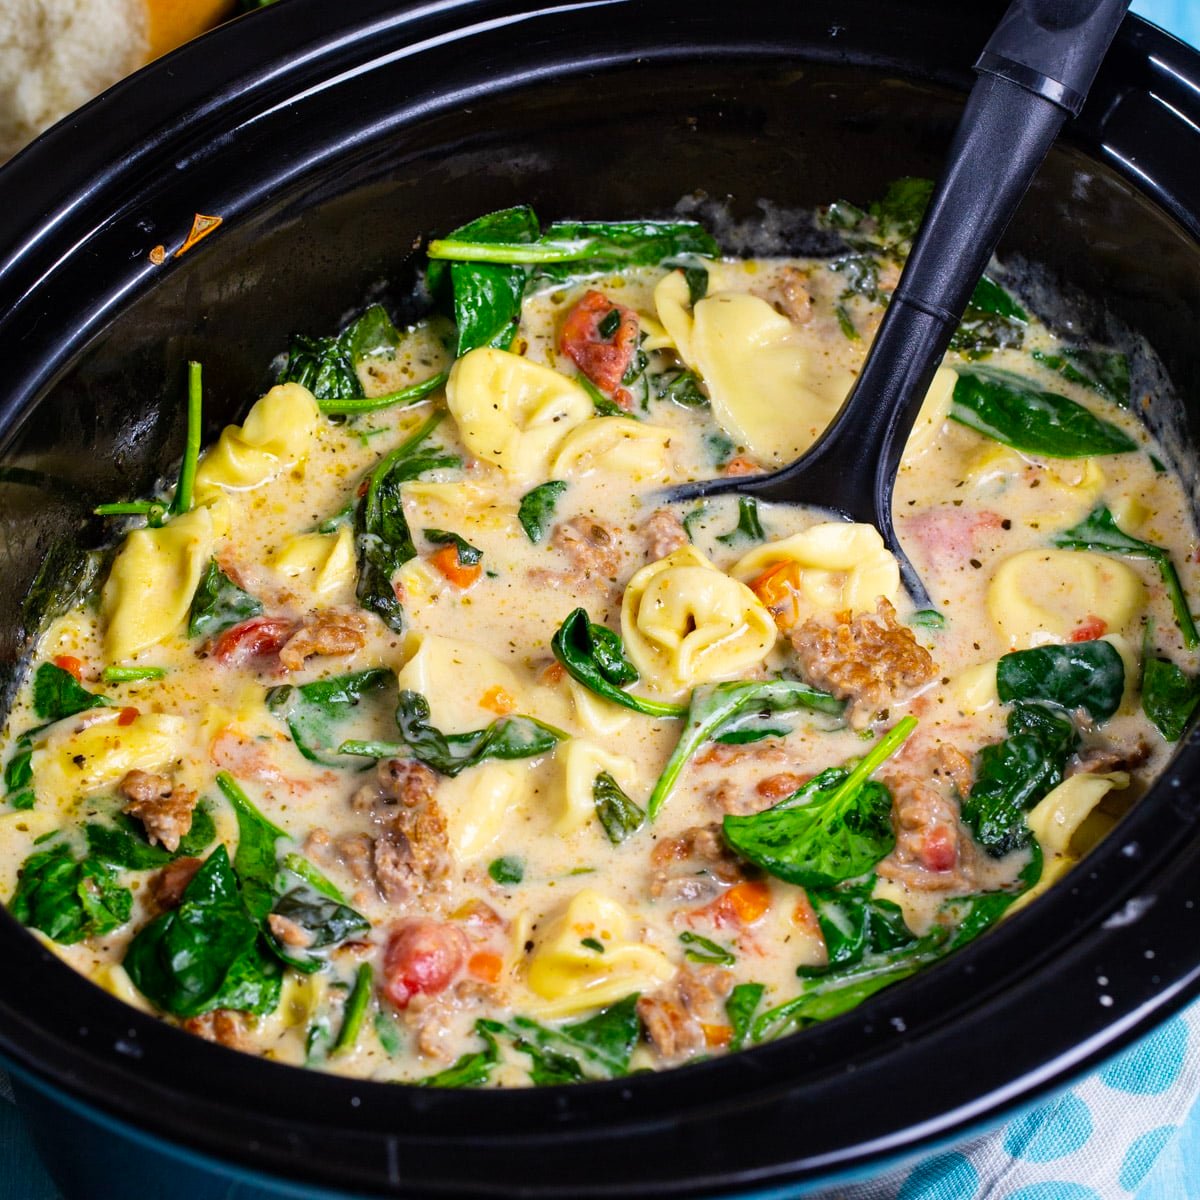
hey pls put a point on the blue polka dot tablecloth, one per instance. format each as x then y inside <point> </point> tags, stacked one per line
<point>1098,1141</point>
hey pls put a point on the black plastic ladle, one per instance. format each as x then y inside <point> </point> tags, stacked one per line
<point>1034,72</point>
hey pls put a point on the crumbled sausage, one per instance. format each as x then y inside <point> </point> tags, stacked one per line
<point>663,533</point>
<point>168,885</point>
<point>870,660</point>
<point>287,932</point>
<point>593,546</point>
<point>1109,756</point>
<point>695,866</point>
<point>794,300</point>
<point>328,633</point>
<point>163,807</point>
<point>401,781</point>
<point>933,852</point>
<point>676,1015</point>
<point>412,855</point>
<point>222,1025</point>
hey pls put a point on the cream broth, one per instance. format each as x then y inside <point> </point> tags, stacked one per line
<point>504,892</point>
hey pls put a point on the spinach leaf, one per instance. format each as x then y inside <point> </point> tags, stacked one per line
<point>602,405</point>
<point>313,711</point>
<point>58,694</point>
<point>740,1007</point>
<point>219,604</point>
<point>981,911</point>
<point>720,449</point>
<point>681,387</point>
<point>856,925</point>
<point>124,843</point>
<point>836,827</point>
<point>66,579</point>
<point>467,555</point>
<point>1099,531</point>
<point>355,1011</point>
<point>206,953</point>
<point>372,335</point>
<point>1004,408</point>
<point>69,899</point>
<point>846,323</point>
<point>472,1069</point>
<point>507,870</point>
<point>748,527</point>
<point>690,519</point>
<point>255,863</point>
<point>537,508</point>
<point>486,296</point>
<point>928,618</point>
<point>327,922</point>
<point>614,809</point>
<point>599,1047</point>
<point>992,320</point>
<point>304,870</point>
<point>1105,372</point>
<point>898,213</point>
<point>594,656</point>
<point>18,772</point>
<point>323,365</point>
<point>1013,775</point>
<point>714,707</point>
<point>1169,697</point>
<point>705,950</point>
<point>1088,675</point>
<point>383,538</point>
<point>132,674</point>
<point>452,753</point>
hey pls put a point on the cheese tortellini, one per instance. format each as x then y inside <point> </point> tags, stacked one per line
<point>566,976</point>
<point>834,566</point>
<point>480,803</point>
<point>149,589</point>
<point>1070,487</point>
<point>322,562</point>
<point>616,444</point>
<point>581,762</point>
<point>276,434</point>
<point>1041,596</point>
<point>95,750</point>
<point>513,412</point>
<point>456,678</point>
<point>935,412</point>
<point>685,623</point>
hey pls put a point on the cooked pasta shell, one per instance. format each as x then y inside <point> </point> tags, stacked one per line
<point>837,566</point>
<point>275,436</point>
<point>149,589</point>
<point>513,412</point>
<point>617,445</point>
<point>565,976</point>
<point>1040,596</point>
<point>685,623</point>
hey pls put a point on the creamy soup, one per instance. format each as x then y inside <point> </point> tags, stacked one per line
<point>413,735</point>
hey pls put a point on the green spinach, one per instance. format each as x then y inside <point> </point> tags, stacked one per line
<point>255,863</point>
<point>599,1047</point>
<point>1169,697</point>
<point>467,555</point>
<point>69,899</point>
<point>1004,408</point>
<point>314,711</point>
<point>992,320</point>
<point>219,604</point>
<point>326,921</point>
<point>355,1011</point>
<point>507,870</point>
<point>855,926</point>
<point>124,844</point>
<point>740,1008</point>
<point>58,694</point>
<point>536,509</point>
<point>836,827</point>
<point>1087,675</point>
<point>1105,372</point>
<point>705,950</point>
<point>748,527</point>
<point>681,387</point>
<point>472,1069</point>
<point>1099,531</point>
<point>619,815</point>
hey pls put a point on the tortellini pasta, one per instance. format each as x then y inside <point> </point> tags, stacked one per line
<point>275,436</point>
<point>322,562</point>
<point>149,589</point>
<point>513,412</point>
<point>567,976</point>
<point>1041,596</point>
<point>1070,487</point>
<point>581,762</point>
<point>95,750</point>
<point>479,804</point>
<point>1056,819</point>
<point>934,413</point>
<point>685,623</point>
<point>456,677</point>
<point>828,568</point>
<point>619,445</point>
<point>594,713</point>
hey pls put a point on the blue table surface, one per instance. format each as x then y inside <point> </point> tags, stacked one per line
<point>1176,1174</point>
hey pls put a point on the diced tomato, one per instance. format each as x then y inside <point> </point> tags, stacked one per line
<point>744,902</point>
<point>603,359</point>
<point>70,664</point>
<point>554,673</point>
<point>498,700</point>
<point>485,966</point>
<point>446,561</point>
<point>422,958</point>
<point>939,849</point>
<point>741,465</point>
<point>1089,629</point>
<point>128,716</point>
<point>252,639</point>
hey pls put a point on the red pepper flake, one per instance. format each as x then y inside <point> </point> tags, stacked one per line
<point>158,255</point>
<point>70,664</point>
<point>202,226</point>
<point>128,716</point>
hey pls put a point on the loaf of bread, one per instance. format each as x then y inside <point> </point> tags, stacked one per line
<point>57,54</point>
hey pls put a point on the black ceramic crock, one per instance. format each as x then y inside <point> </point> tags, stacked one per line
<point>329,139</point>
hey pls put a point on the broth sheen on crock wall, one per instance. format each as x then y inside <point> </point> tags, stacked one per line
<point>433,745</point>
